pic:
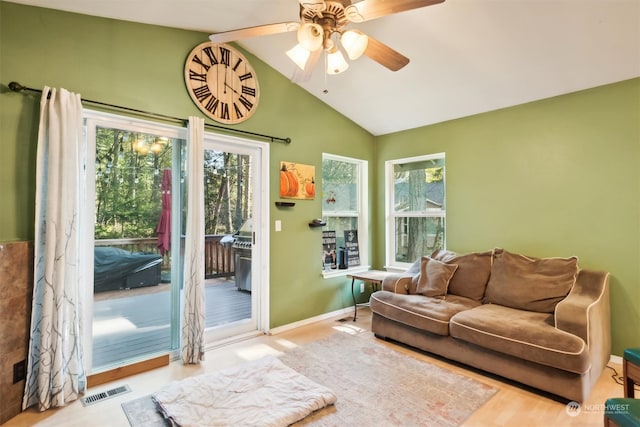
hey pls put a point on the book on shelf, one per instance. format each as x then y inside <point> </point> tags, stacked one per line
<point>329,257</point>
<point>352,247</point>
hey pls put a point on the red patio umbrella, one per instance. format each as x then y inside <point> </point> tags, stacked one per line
<point>164,225</point>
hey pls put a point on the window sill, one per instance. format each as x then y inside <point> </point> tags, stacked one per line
<point>341,273</point>
<point>397,269</point>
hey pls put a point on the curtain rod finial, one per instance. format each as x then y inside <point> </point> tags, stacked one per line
<point>16,87</point>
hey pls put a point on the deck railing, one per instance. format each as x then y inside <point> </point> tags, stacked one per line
<point>219,258</point>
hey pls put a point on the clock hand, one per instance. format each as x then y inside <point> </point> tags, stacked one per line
<point>225,83</point>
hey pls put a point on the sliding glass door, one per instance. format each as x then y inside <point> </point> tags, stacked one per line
<point>137,179</point>
<point>136,204</point>
<point>234,199</point>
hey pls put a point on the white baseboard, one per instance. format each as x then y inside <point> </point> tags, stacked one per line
<point>325,316</point>
<point>615,359</point>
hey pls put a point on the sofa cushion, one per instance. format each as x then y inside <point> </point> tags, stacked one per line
<point>524,334</point>
<point>426,313</point>
<point>434,277</point>
<point>531,284</point>
<point>471,278</point>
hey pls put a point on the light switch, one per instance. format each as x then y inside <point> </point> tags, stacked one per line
<point>278,225</point>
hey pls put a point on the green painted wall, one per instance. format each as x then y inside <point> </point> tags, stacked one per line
<point>557,177</point>
<point>141,67</point>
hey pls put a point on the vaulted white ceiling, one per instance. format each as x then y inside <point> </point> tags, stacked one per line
<point>467,56</point>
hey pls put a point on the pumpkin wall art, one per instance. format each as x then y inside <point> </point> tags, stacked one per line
<point>297,181</point>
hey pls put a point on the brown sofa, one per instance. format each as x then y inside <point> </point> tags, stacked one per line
<point>542,322</point>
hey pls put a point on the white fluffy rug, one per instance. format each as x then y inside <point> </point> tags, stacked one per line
<point>264,392</point>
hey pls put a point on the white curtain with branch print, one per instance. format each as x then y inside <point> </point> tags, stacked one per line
<point>55,370</point>
<point>193,320</point>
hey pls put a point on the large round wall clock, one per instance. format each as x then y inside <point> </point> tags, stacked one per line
<point>221,82</point>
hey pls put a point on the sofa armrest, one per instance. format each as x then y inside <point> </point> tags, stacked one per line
<point>399,283</point>
<point>585,312</point>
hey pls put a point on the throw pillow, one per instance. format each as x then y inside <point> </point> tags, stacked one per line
<point>472,275</point>
<point>434,277</point>
<point>531,284</point>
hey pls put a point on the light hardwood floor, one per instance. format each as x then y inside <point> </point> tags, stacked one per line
<point>511,405</point>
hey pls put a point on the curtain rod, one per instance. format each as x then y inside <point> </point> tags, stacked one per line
<point>17,87</point>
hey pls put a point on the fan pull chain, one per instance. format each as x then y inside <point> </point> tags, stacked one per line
<point>326,90</point>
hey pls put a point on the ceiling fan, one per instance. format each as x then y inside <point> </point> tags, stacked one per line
<point>323,28</point>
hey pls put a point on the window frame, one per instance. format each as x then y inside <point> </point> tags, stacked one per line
<point>391,215</point>
<point>362,214</point>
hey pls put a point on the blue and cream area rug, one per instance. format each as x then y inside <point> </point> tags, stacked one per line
<point>374,384</point>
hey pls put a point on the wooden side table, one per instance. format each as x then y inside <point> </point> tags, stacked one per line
<point>374,277</point>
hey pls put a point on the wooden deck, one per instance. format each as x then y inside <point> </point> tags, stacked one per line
<point>219,258</point>
<point>128,324</point>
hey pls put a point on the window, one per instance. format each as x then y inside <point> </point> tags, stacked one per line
<point>344,208</point>
<point>416,208</point>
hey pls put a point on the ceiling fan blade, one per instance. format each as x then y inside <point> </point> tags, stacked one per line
<point>366,10</point>
<point>260,30</point>
<point>384,55</point>
<point>299,75</point>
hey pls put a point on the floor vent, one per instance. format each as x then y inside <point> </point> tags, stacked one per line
<point>104,395</point>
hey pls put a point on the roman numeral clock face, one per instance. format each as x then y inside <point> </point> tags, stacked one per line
<point>221,82</point>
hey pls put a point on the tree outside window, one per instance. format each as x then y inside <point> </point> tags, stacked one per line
<point>129,168</point>
<point>416,208</point>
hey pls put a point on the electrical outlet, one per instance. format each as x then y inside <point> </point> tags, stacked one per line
<point>362,288</point>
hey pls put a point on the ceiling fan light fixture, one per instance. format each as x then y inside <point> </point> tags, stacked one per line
<point>310,36</point>
<point>332,16</point>
<point>299,55</point>
<point>354,43</point>
<point>336,63</point>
